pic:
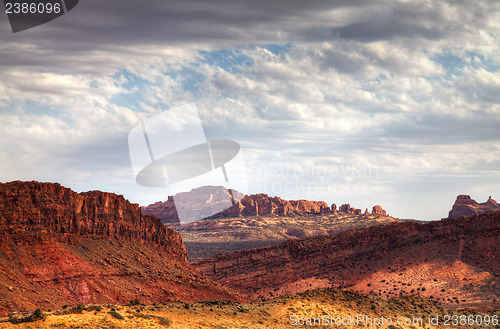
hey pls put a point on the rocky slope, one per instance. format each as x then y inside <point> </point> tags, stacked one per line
<point>466,206</point>
<point>60,247</point>
<point>248,205</point>
<point>453,261</point>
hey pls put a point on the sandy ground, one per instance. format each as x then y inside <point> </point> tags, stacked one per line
<point>278,313</point>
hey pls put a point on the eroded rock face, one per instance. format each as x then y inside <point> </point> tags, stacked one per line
<point>283,206</point>
<point>165,210</point>
<point>347,209</point>
<point>53,210</point>
<point>60,247</point>
<point>250,208</point>
<point>466,206</point>
<point>449,258</point>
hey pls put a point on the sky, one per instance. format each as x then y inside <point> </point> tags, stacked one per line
<point>394,103</point>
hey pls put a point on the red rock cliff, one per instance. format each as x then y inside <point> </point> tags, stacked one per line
<point>49,209</point>
<point>58,247</point>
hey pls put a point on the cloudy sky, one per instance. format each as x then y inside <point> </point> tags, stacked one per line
<point>363,102</point>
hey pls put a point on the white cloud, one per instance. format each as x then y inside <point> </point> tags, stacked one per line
<point>355,84</point>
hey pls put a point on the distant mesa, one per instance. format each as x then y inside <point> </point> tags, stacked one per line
<point>466,206</point>
<point>249,205</point>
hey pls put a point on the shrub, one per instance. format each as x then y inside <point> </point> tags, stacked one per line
<point>35,316</point>
<point>163,321</point>
<point>38,313</point>
<point>186,306</point>
<point>116,315</point>
<point>243,309</point>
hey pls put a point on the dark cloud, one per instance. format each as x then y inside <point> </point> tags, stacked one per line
<point>96,25</point>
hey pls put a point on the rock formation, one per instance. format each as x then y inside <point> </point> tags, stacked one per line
<point>466,206</point>
<point>378,210</point>
<point>59,247</point>
<point>249,205</point>
<point>453,260</point>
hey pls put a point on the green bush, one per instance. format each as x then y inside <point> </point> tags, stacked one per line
<point>38,313</point>
<point>116,315</point>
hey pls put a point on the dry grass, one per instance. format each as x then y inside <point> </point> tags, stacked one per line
<point>266,314</point>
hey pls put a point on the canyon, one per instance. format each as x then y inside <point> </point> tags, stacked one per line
<point>59,248</point>
<point>454,262</point>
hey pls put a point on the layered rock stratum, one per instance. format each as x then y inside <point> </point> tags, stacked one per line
<point>453,261</point>
<point>60,247</point>
<point>465,206</point>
